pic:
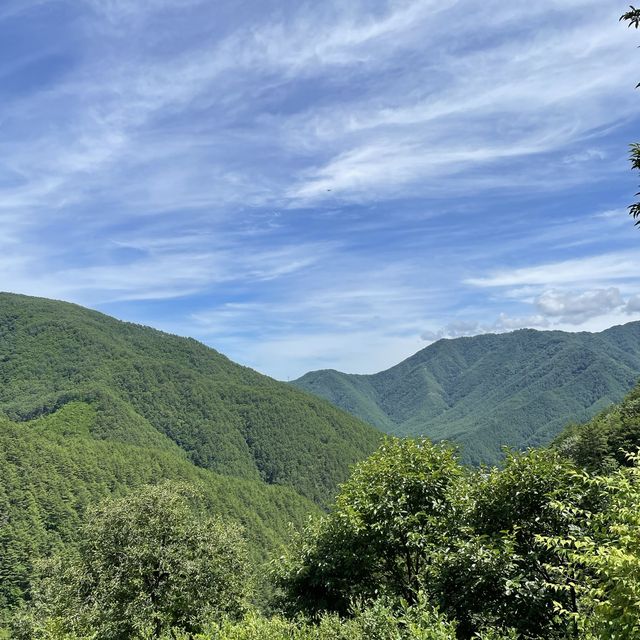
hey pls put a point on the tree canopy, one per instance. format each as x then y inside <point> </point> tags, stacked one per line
<point>146,563</point>
<point>537,547</point>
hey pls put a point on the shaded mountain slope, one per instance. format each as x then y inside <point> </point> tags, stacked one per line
<point>150,388</point>
<point>516,389</point>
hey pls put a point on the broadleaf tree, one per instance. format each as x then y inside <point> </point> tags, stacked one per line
<point>146,563</point>
<point>389,517</point>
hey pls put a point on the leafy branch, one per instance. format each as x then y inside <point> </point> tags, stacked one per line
<point>632,18</point>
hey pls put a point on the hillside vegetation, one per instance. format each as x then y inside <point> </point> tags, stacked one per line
<point>517,389</point>
<point>150,388</point>
<point>53,470</point>
<point>604,442</point>
<point>91,407</point>
<point>415,547</point>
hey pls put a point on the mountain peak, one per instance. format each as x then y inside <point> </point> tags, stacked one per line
<point>487,391</point>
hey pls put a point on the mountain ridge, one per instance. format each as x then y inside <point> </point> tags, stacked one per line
<point>92,407</point>
<point>482,392</point>
<point>225,417</point>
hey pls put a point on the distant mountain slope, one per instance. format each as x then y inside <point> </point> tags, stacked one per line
<point>153,389</point>
<point>605,441</point>
<point>515,389</point>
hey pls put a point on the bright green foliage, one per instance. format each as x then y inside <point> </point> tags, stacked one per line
<point>388,518</point>
<point>379,621</point>
<point>517,389</point>
<point>152,388</point>
<point>145,563</point>
<point>397,503</point>
<point>411,520</point>
<point>53,470</point>
<point>603,556</point>
<point>494,571</point>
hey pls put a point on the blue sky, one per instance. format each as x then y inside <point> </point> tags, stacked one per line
<point>323,184</point>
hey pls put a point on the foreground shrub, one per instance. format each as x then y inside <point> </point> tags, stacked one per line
<point>378,621</point>
<point>494,571</point>
<point>411,520</point>
<point>391,515</point>
<point>146,563</point>
<point>603,557</point>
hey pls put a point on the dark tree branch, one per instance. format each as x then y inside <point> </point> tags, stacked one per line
<point>632,18</point>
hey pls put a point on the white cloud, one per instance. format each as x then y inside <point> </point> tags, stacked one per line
<point>160,270</point>
<point>633,304</point>
<point>455,329</point>
<point>503,323</point>
<point>334,34</point>
<point>616,216</point>
<point>585,156</point>
<point>537,95</point>
<point>591,269</point>
<point>577,306</point>
<point>390,167</point>
<point>365,149</point>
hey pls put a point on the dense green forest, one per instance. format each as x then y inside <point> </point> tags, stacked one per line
<point>53,469</point>
<point>150,387</point>
<point>416,546</point>
<point>151,488</point>
<point>518,389</point>
<point>91,407</point>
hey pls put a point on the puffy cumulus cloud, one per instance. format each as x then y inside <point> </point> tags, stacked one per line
<point>555,309</point>
<point>454,329</point>
<point>506,322</point>
<point>502,324</point>
<point>633,304</point>
<point>577,306</point>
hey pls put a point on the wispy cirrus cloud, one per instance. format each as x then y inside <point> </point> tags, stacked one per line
<point>492,94</point>
<point>608,267</point>
<point>306,184</point>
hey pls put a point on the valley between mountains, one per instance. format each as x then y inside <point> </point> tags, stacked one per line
<point>151,486</point>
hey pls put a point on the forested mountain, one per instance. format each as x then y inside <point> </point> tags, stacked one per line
<point>150,388</point>
<point>517,389</point>
<point>91,407</point>
<point>53,468</point>
<point>604,442</point>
